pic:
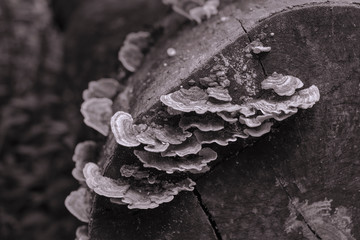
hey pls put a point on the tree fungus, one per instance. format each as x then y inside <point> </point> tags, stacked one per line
<point>131,53</point>
<point>82,233</point>
<point>84,152</point>
<point>282,85</point>
<point>195,10</point>
<point>182,164</point>
<point>97,113</point>
<point>102,88</point>
<point>79,204</point>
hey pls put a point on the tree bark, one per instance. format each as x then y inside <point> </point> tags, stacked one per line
<point>272,189</point>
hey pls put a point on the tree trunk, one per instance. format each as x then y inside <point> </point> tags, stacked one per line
<point>301,177</point>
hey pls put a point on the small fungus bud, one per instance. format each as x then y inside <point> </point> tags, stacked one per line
<point>171,52</point>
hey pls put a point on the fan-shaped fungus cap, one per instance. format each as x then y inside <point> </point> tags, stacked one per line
<point>97,113</point>
<point>259,131</point>
<point>103,186</point>
<point>130,54</point>
<point>171,135</point>
<point>142,199</point>
<point>123,129</point>
<point>204,122</point>
<point>221,137</point>
<point>131,57</point>
<point>195,99</point>
<point>227,117</point>
<point>272,107</point>
<point>148,137</point>
<point>170,165</point>
<point>207,10</point>
<point>282,85</point>
<point>84,152</point>
<point>140,39</point>
<point>102,88</point>
<point>190,146</point>
<point>219,93</point>
<point>258,47</point>
<point>305,98</point>
<point>79,204</point>
<point>82,233</point>
<point>133,171</point>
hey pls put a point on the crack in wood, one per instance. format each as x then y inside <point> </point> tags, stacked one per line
<point>248,36</point>
<point>274,172</point>
<point>208,214</point>
<point>283,187</point>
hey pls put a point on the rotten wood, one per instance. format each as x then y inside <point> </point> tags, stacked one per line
<point>251,192</point>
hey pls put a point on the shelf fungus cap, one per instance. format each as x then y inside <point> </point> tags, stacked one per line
<point>79,204</point>
<point>123,129</point>
<point>219,93</point>
<point>203,122</point>
<point>152,198</point>
<point>171,164</point>
<point>221,137</point>
<point>82,233</point>
<point>130,54</point>
<point>130,57</point>
<point>139,39</point>
<point>97,113</point>
<point>84,152</point>
<point>258,47</point>
<point>305,98</point>
<point>102,88</point>
<point>259,131</point>
<point>190,146</point>
<point>195,99</point>
<point>101,185</point>
<point>282,85</point>
<point>227,117</point>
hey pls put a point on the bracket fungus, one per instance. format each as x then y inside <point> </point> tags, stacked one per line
<point>102,88</point>
<point>131,53</point>
<point>195,10</point>
<point>156,139</point>
<point>152,198</point>
<point>196,100</point>
<point>258,47</point>
<point>82,233</point>
<point>189,146</point>
<point>79,204</point>
<point>101,185</point>
<point>97,113</point>
<point>123,129</point>
<point>282,85</point>
<point>182,164</point>
<point>84,152</point>
<point>206,122</point>
<point>219,93</point>
<point>136,188</point>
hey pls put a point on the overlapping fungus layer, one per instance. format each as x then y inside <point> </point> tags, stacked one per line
<point>194,120</point>
<point>201,115</point>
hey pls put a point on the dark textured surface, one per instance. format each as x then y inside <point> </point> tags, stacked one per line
<point>313,155</point>
<point>245,194</point>
<point>180,219</point>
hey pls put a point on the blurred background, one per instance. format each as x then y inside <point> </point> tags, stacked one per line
<point>40,121</point>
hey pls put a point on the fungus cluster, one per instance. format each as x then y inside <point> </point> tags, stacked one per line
<point>167,150</point>
<point>136,188</point>
<point>205,114</point>
<point>195,10</point>
<point>79,204</point>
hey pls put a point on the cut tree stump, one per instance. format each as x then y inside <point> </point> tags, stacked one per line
<point>301,181</point>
